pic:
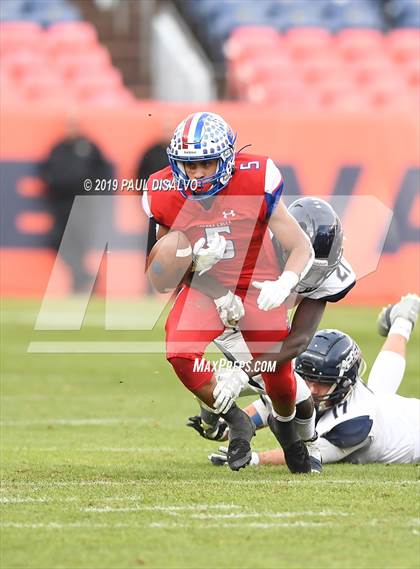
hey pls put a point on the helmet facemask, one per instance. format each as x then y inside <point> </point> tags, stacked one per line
<point>323,227</point>
<point>341,378</point>
<point>320,270</point>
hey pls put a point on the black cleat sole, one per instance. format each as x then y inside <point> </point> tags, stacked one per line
<point>239,454</point>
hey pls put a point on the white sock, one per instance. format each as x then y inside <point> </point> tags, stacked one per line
<point>284,419</point>
<point>255,459</point>
<point>305,428</point>
<point>387,372</point>
<point>401,326</point>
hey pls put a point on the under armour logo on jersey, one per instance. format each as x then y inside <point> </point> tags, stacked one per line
<point>228,213</point>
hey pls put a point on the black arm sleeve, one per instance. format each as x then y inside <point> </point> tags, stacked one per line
<point>151,236</point>
<point>304,325</point>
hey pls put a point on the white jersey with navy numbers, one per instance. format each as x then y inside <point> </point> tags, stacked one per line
<point>336,286</point>
<point>369,427</point>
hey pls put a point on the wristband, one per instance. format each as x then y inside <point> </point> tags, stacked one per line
<point>289,279</point>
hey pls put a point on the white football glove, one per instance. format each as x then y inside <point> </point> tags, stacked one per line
<point>230,309</point>
<point>229,385</point>
<point>205,257</point>
<point>274,293</point>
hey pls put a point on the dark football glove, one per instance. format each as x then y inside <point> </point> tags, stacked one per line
<point>217,433</point>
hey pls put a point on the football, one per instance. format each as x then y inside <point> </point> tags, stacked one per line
<point>169,261</point>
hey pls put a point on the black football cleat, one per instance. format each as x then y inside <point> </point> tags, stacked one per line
<point>297,458</point>
<point>239,454</point>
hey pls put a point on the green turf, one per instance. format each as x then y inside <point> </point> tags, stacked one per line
<point>99,471</point>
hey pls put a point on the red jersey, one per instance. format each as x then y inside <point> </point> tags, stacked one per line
<point>240,212</point>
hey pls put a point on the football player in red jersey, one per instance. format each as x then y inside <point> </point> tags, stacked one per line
<point>236,276</point>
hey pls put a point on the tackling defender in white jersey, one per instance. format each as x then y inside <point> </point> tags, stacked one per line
<point>357,423</point>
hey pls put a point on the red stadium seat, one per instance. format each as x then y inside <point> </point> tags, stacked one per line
<point>43,85</point>
<point>249,41</point>
<point>286,94</point>
<point>355,44</point>
<point>70,64</point>
<point>85,87</point>
<point>307,42</point>
<point>371,70</point>
<point>330,89</point>
<point>410,70</point>
<point>317,69</point>
<point>385,92</point>
<point>404,44</point>
<point>246,42</point>
<point>20,36</point>
<point>20,63</point>
<point>70,37</point>
<point>260,69</point>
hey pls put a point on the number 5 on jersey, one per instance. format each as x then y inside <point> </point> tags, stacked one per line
<point>230,247</point>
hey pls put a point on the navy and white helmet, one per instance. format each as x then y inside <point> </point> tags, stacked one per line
<point>202,136</point>
<point>332,357</point>
<point>323,227</point>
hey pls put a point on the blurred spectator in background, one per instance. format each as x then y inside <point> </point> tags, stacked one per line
<point>154,159</point>
<point>71,161</point>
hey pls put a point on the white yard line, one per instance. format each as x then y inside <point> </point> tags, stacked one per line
<point>177,525</point>
<point>56,525</point>
<point>164,509</point>
<point>267,515</point>
<point>73,422</point>
<point>257,525</point>
<point>159,525</point>
<point>17,500</point>
<point>316,481</point>
<point>93,449</point>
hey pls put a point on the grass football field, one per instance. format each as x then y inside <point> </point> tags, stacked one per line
<point>99,471</point>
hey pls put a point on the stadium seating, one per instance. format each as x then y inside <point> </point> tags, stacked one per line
<point>19,36</point>
<point>339,53</point>
<point>61,63</point>
<point>69,64</point>
<point>403,13</point>
<point>404,44</point>
<point>43,12</point>
<point>70,37</point>
<point>359,43</point>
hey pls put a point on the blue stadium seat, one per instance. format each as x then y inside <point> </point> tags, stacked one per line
<point>342,14</point>
<point>200,11</point>
<point>13,10</point>
<point>298,14</point>
<point>47,13</point>
<point>40,11</point>
<point>233,15</point>
<point>403,13</point>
